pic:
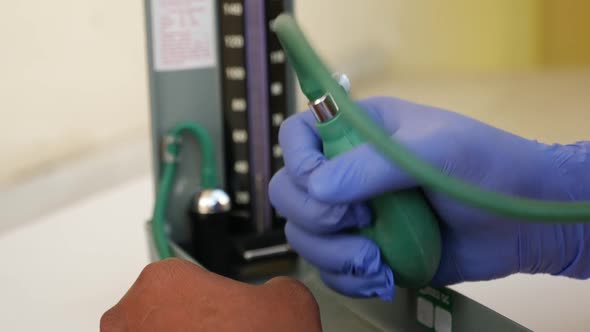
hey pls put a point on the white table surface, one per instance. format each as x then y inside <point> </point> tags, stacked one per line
<point>63,271</point>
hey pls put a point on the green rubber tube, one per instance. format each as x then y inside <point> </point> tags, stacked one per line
<point>316,81</point>
<point>159,215</point>
<point>207,150</point>
<point>208,178</point>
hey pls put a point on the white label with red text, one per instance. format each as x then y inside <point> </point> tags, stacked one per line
<point>183,34</point>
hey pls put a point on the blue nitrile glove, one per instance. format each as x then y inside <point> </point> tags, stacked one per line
<point>322,198</point>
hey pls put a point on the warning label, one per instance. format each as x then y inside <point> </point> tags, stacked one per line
<point>183,34</point>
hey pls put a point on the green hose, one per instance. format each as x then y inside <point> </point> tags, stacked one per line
<point>316,80</point>
<point>207,150</point>
<point>208,178</point>
<point>159,216</point>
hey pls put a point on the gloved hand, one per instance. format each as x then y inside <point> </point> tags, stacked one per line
<point>175,295</point>
<point>321,199</point>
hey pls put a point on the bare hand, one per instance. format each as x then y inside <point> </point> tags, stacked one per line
<point>175,295</point>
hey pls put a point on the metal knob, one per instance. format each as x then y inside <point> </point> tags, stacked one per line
<point>211,201</point>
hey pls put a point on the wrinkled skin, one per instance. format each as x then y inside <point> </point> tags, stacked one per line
<point>176,295</point>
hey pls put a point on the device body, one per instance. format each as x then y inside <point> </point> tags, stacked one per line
<point>215,63</point>
<point>404,226</point>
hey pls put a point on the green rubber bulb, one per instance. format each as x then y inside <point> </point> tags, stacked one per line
<point>404,227</point>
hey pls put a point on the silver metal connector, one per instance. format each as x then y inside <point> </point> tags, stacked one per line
<point>167,156</point>
<point>324,108</point>
<point>249,255</point>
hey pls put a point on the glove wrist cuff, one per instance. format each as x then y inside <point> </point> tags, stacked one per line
<point>557,249</point>
<point>569,170</point>
<point>579,266</point>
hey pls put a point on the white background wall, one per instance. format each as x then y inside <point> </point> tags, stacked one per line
<point>73,79</point>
